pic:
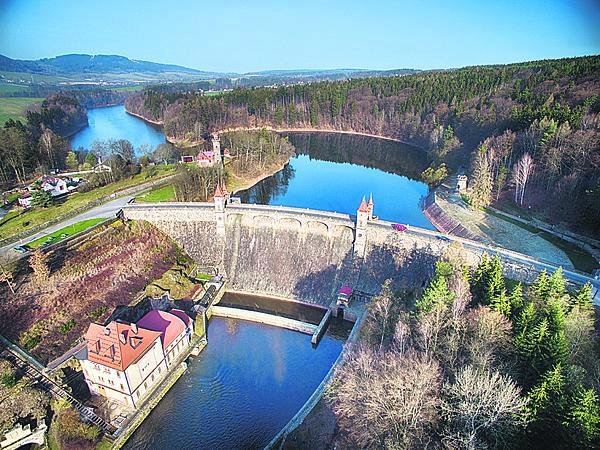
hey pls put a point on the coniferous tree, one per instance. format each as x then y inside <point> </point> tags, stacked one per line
<point>437,293</point>
<point>583,297</point>
<point>584,418</point>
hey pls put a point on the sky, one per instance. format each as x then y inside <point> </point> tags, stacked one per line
<point>251,35</point>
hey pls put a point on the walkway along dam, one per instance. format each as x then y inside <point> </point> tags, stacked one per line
<point>307,255</point>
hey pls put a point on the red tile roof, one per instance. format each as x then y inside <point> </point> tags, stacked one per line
<point>169,325</point>
<point>363,206</point>
<point>117,345</point>
<point>219,192</point>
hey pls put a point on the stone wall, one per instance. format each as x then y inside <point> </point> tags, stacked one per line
<point>307,255</point>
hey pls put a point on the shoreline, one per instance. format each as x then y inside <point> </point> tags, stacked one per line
<point>254,181</point>
<point>276,130</point>
<point>145,119</point>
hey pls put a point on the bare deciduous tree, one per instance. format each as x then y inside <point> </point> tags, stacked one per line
<point>38,261</point>
<point>481,407</point>
<point>387,401</point>
<point>521,173</point>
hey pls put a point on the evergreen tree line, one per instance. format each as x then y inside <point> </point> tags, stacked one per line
<point>547,109</point>
<point>478,361</point>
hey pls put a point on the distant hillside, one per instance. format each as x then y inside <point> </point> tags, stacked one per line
<point>117,70</point>
<point>82,67</point>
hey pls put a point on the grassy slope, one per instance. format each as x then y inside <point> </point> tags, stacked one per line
<point>161,194</point>
<point>581,259</point>
<point>38,216</point>
<point>14,107</point>
<point>85,285</point>
<point>65,232</point>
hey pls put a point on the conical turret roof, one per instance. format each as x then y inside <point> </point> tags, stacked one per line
<point>363,206</point>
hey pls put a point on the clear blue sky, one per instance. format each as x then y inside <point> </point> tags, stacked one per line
<point>247,35</point>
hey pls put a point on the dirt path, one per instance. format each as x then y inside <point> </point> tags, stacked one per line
<point>493,230</point>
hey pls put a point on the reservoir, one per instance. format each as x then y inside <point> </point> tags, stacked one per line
<point>112,122</point>
<point>251,379</point>
<point>330,172</point>
<point>247,383</point>
<point>333,171</point>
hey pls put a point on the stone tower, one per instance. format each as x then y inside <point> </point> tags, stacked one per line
<point>220,199</point>
<point>370,206</point>
<point>360,237</point>
<point>216,148</point>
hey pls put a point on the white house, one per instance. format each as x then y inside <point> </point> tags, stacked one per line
<point>56,186</point>
<point>126,361</point>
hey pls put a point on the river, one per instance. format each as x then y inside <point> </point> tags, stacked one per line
<point>112,122</point>
<point>244,387</point>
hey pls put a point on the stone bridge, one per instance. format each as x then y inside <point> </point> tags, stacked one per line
<point>307,254</point>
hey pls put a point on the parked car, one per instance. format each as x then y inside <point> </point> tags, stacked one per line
<point>442,238</point>
<point>20,249</point>
<point>399,227</point>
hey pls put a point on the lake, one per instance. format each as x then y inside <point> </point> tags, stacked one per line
<point>330,172</point>
<point>244,387</point>
<point>112,122</point>
<point>333,171</point>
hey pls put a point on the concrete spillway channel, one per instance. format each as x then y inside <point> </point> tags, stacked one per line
<point>321,328</point>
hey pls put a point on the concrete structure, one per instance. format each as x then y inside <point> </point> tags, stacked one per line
<point>220,199</point>
<point>308,255</point>
<point>461,185</point>
<point>126,361</point>
<point>363,215</point>
<point>21,435</point>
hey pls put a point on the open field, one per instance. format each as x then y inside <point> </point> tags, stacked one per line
<point>11,88</point>
<point>14,107</point>
<point>160,194</point>
<point>39,216</point>
<point>85,284</point>
<point>64,233</point>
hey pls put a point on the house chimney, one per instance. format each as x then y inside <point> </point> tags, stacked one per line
<point>134,328</point>
<point>106,331</point>
<point>123,337</point>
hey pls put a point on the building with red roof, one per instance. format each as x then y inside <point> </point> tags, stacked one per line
<point>125,361</point>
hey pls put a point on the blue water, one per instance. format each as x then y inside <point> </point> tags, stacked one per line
<point>240,392</point>
<point>309,182</point>
<point>112,122</point>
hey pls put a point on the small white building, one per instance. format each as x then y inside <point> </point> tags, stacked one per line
<point>56,186</point>
<point>126,361</point>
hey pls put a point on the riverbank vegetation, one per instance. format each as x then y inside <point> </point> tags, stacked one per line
<point>476,362</point>
<point>59,292</point>
<point>253,155</point>
<point>483,118</point>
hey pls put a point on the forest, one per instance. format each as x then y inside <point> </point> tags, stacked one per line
<point>477,361</point>
<point>482,119</point>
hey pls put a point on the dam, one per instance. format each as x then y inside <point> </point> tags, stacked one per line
<point>307,255</point>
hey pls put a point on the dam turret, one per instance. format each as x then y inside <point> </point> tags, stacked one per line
<point>363,214</point>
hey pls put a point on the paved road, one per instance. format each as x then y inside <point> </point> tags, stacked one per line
<point>106,210</point>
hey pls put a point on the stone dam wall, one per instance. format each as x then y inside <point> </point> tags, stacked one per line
<point>307,255</point>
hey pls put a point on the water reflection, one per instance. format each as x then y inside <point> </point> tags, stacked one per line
<point>332,172</point>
